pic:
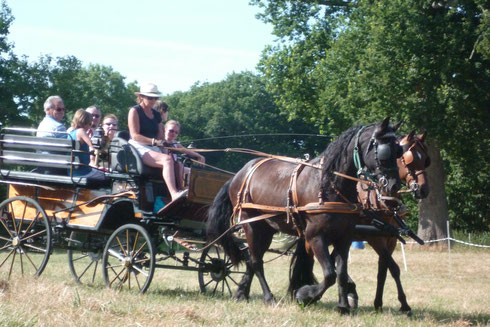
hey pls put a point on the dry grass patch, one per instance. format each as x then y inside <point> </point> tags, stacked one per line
<point>442,291</point>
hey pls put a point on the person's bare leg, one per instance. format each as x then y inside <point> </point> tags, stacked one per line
<point>164,161</point>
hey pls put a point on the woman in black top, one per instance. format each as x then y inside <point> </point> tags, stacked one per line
<point>147,136</point>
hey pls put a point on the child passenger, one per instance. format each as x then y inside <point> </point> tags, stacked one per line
<point>82,122</point>
<point>172,130</point>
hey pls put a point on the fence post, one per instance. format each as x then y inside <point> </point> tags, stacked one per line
<point>449,247</point>
<point>403,256</point>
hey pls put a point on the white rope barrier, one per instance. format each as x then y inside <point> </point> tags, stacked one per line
<point>454,240</point>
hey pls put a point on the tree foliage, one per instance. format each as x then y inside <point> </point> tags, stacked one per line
<point>237,106</point>
<point>422,61</point>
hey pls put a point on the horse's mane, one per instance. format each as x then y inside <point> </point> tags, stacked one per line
<point>335,154</point>
<point>332,155</point>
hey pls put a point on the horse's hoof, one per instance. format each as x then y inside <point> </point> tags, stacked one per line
<point>353,301</point>
<point>270,300</point>
<point>306,295</point>
<point>343,311</point>
<point>406,310</point>
<point>378,309</point>
<point>239,297</point>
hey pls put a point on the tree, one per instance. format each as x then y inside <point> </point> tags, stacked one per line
<point>345,64</point>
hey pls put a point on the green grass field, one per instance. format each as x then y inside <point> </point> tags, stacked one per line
<point>442,290</point>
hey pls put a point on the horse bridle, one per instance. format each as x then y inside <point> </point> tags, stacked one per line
<point>381,152</point>
<point>407,159</point>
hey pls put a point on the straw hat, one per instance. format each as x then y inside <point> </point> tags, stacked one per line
<point>149,90</point>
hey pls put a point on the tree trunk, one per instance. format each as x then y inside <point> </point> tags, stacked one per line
<point>433,210</point>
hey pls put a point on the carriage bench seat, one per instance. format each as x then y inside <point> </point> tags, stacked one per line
<point>125,159</point>
<point>52,159</point>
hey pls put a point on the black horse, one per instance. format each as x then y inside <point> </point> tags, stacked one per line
<point>371,151</point>
<point>412,165</point>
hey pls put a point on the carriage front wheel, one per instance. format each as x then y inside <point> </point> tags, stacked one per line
<point>25,237</point>
<point>128,261</point>
<point>217,276</point>
<point>85,256</point>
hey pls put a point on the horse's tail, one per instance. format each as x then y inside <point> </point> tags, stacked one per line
<point>301,268</point>
<point>219,221</point>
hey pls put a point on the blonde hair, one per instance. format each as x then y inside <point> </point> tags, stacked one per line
<point>172,122</point>
<point>81,119</point>
<point>110,116</point>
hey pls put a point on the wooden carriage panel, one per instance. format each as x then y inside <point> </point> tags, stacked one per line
<point>61,199</point>
<point>205,184</point>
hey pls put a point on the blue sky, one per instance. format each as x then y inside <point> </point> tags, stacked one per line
<point>173,43</point>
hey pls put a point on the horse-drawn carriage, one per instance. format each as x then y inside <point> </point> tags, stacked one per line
<point>113,221</point>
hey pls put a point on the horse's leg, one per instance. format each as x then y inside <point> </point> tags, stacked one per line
<point>385,247</point>
<point>309,294</point>
<point>259,237</point>
<point>395,273</point>
<point>381,278</point>
<point>341,260</point>
<point>352,295</point>
<point>243,291</point>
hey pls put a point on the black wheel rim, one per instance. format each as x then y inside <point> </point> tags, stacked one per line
<point>128,260</point>
<point>25,238</point>
<point>217,276</point>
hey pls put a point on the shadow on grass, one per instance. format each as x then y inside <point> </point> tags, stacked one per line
<point>442,317</point>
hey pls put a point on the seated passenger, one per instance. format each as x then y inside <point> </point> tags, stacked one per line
<point>82,121</point>
<point>96,116</point>
<point>172,131</point>
<point>51,125</point>
<point>162,108</point>
<point>146,132</point>
<point>109,124</point>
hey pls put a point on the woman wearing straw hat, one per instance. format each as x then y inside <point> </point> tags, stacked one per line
<point>147,136</point>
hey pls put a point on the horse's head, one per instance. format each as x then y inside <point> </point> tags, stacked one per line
<point>380,151</point>
<point>413,162</point>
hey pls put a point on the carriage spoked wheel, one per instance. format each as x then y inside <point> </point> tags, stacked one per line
<point>85,263</point>
<point>25,237</point>
<point>128,261</point>
<point>217,276</point>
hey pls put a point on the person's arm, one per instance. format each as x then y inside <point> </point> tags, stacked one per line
<point>83,136</point>
<point>191,153</point>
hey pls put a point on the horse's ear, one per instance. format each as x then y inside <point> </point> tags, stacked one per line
<point>382,128</point>
<point>411,135</point>
<point>397,125</point>
<point>422,137</point>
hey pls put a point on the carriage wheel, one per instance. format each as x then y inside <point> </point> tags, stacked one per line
<point>216,272</point>
<point>128,261</point>
<point>25,237</point>
<point>85,264</point>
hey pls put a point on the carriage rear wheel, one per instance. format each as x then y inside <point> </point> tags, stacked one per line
<point>25,237</point>
<point>84,256</point>
<point>128,261</point>
<point>217,276</point>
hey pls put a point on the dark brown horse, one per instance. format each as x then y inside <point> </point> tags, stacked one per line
<point>367,150</point>
<point>412,165</point>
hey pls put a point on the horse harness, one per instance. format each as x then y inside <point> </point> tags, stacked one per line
<point>292,209</point>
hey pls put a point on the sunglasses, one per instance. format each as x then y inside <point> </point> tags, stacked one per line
<point>58,109</point>
<point>108,124</point>
<point>95,115</point>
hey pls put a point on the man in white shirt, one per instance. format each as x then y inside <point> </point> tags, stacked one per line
<point>51,125</point>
